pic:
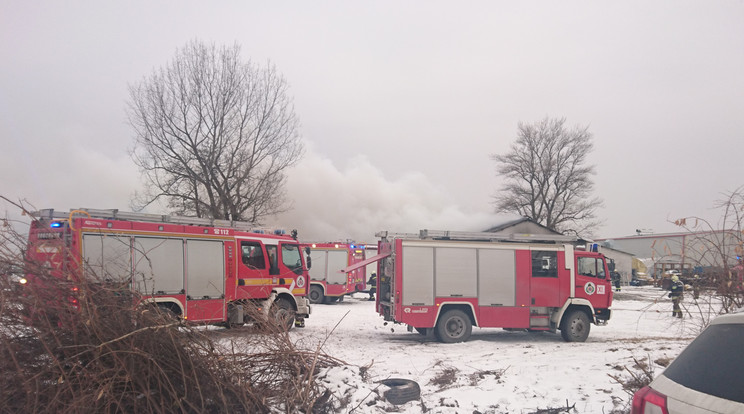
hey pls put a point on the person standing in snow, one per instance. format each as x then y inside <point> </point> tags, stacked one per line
<point>678,289</point>
<point>373,286</point>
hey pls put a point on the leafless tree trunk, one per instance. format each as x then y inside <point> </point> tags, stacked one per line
<point>547,179</point>
<point>214,134</point>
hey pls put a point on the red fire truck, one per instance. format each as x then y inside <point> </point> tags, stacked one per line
<point>444,283</point>
<point>327,283</point>
<point>203,270</point>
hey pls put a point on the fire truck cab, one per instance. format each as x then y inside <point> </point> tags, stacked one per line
<point>202,270</point>
<point>443,283</point>
<point>328,283</point>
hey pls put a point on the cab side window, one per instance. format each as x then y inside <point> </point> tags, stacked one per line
<point>587,266</point>
<point>253,255</point>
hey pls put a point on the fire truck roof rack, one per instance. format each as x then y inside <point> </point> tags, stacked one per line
<point>484,236</point>
<point>115,214</point>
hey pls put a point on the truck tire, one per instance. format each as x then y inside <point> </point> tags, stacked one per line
<point>575,326</point>
<point>283,314</point>
<point>401,390</point>
<point>453,326</point>
<point>316,294</point>
<point>422,331</point>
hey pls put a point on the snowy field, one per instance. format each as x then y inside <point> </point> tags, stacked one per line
<point>496,371</point>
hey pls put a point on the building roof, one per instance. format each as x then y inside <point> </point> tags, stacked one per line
<point>511,223</point>
<point>664,235</point>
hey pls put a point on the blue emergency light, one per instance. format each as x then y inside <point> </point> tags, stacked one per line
<point>56,224</point>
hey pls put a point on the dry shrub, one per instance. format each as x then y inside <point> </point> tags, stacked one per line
<point>478,376</point>
<point>68,344</point>
<point>280,371</point>
<point>638,376</point>
<point>445,378</point>
<point>663,361</point>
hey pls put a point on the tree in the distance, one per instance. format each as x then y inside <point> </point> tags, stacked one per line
<point>214,134</point>
<point>547,177</point>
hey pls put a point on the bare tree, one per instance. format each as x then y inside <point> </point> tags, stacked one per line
<point>717,254</point>
<point>214,134</point>
<point>547,178</point>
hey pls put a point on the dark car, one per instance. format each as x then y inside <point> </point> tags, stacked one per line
<point>707,377</point>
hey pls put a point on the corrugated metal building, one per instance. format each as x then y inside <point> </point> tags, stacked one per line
<point>679,251</point>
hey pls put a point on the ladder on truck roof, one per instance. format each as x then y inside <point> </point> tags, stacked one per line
<point>426,234</point>
<point>115,214</point>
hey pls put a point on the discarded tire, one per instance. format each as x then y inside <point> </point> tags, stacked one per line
<point>401,390</point>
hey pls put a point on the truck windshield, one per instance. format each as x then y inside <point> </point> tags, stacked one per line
<point>292,258</point>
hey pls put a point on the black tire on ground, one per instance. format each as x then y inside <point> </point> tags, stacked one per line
<point>575,326</point>
<point>453,326</point>
<point>283,313</point>
<point>401,390</point>
<point>316,294</point>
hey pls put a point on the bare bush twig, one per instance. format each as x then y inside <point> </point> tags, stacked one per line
<point>71,342</point>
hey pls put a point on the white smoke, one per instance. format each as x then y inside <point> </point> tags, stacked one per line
<point>353,203</point>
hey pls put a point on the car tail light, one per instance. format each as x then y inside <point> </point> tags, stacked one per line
<point>648,401</point>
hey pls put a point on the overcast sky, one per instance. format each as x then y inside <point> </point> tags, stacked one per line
<point>401,103</point>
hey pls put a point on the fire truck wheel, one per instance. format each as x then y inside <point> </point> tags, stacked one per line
<point>316,294</point>
<point>575,326</point>
<point>453,326</point>
<point>401,390</point>
<point>422,331</point>
<point>330,299</point>
<point>283,313</point>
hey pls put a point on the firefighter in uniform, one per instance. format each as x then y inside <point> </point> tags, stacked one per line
<point>676,294</point>
<point>373,286</point>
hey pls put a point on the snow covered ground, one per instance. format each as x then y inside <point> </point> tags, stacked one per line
<point>496,371</point>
